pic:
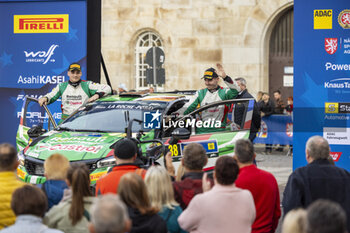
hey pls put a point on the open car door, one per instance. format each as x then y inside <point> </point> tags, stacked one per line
<point>236,124</point>
<point>35,120</point>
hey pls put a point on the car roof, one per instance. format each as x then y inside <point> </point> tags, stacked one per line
<point>134,96</point>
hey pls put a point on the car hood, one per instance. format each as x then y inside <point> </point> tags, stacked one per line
<point>73,145</point>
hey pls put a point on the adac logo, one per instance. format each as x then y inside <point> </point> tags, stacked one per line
<point>344,19</point>
<point>41,23</point>
<point>331,45</point>
<point>335,155</point>
<point>323,19</point>
<point>151,120</point>
<point>41,56</point>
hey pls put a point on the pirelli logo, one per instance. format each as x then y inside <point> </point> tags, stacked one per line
<point>41,23</point>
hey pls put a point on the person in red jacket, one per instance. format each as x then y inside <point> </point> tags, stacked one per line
<point>261,184</point>
<point>194,159</point>
<point>125,153</point>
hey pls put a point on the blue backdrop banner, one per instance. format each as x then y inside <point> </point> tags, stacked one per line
<point>276,129</point>
<point>322,77</point>
<point>39,39</point>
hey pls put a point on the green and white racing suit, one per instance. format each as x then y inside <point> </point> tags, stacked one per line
<point>217,113</point>
<point>74,95</point>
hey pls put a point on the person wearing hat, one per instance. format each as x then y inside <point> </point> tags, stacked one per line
<point>211,94</point>
<point>75,92</point>
<point>125,154</point>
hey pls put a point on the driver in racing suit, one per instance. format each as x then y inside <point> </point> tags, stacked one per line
<point>75,92</point>
<point>211,94</point>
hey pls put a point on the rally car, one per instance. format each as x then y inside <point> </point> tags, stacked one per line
<point>90,133</point>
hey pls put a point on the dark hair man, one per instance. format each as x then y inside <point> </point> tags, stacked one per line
<point>230,208</point>
<point>317,180</point>
<point>279,106</point>
<point>261,184</point>
<point>211,94</point>
<point>194,159</point>
<point>324,216</point>
<point>8,183</point>
<point>75,92</point>
<point>125,153</point>
<point>240,108</point>
<point>29,203</point>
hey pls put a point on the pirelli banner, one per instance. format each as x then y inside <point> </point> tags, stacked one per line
<point>39,39</point>
<point>322,77</point>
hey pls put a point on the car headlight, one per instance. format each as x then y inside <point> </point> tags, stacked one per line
<point>106,162</point>
<point>20,157</point>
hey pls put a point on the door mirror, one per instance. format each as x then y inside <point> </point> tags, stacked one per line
<point>36,131</point>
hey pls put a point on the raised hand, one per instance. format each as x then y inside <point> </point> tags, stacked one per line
<point>220,70</point>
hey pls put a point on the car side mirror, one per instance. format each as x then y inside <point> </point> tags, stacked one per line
<point>181,133</point>
<point>36,131</point>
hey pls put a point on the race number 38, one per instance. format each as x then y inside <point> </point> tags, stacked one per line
<point>174,149</point>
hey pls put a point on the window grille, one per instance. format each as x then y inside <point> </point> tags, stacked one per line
<point>144,42</point>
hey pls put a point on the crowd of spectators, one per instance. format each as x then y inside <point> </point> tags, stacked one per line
<point>236,197</point>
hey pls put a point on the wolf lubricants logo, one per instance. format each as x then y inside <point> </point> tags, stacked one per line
<point>41,23</point>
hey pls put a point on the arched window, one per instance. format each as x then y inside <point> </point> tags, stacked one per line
<point>144,42</point>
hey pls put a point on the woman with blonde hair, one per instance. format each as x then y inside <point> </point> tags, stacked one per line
<point>295,221</point>
<point>72,214</point>
<point>162,197</point>
<point>133,192</point>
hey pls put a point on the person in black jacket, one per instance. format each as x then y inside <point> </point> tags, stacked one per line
<point>317,180</point>
<point>266,107</point>
<point>240,108</point>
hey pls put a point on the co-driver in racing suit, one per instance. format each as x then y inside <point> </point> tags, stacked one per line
<point>75,92</point>
<point>211,94</point>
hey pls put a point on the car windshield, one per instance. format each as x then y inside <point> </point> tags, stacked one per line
<point>111,116</point>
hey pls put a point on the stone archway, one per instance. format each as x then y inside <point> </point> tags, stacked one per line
<point>265,44</point>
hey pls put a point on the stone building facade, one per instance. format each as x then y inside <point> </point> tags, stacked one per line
<point>195,35</point>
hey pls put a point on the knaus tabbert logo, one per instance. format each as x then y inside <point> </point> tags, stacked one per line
<point>341,83</point>
<point>41,56</point>
<point>41,23</point>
